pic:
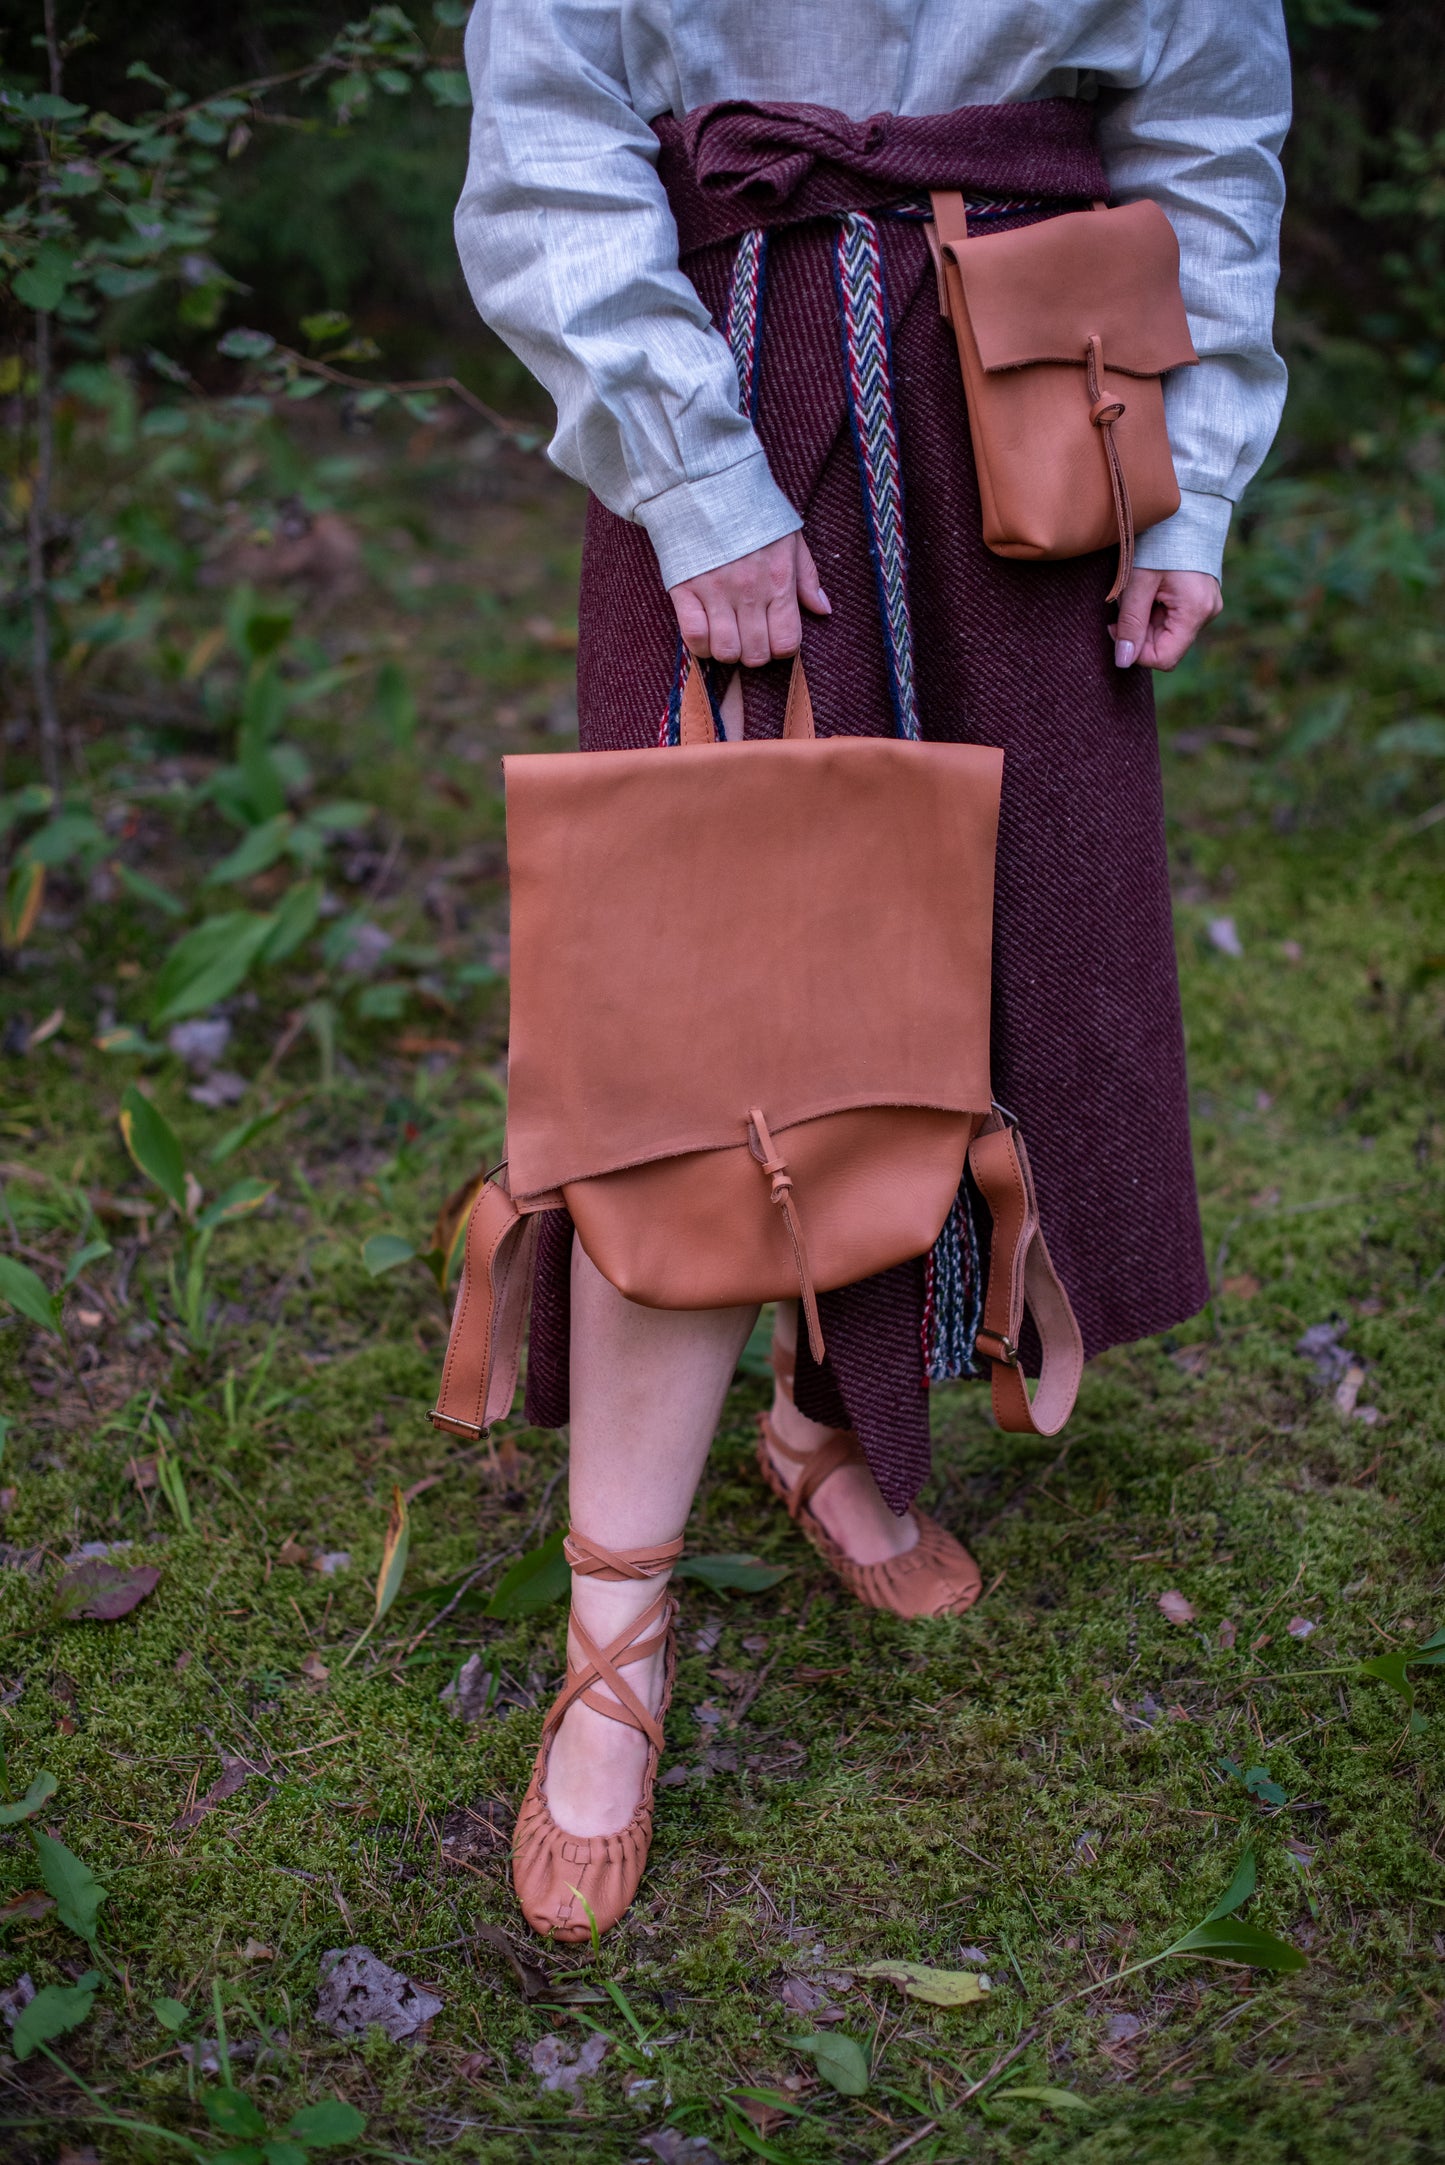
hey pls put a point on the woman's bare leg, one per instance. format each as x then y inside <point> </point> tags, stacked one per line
<point>849,1503</point>
<point>647,1388</point>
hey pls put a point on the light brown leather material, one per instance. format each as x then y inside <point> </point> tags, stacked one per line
<point>936,1577</point>
<point>700,1231</point>
<point>559,1876</point>
<point>479,1375</point>
<point>1021,1276</point>
<point>696,723</point>
<point>805,926</point>
<point>1039,292</point>
<point>1065,464</point>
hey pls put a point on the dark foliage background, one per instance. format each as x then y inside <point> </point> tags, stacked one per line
<point>363,221</point>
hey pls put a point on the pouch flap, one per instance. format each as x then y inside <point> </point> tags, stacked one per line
<point>800,926</point>
<point>1041,292</point>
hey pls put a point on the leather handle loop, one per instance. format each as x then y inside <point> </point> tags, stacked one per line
<point>695,723</point>
<point>1021,1276</point>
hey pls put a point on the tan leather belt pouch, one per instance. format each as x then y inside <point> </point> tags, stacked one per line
<point>1065,329</point>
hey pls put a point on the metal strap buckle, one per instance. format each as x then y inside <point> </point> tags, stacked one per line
<point>1008,1352</point>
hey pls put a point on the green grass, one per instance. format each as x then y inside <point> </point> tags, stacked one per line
<point>1038,1781</point>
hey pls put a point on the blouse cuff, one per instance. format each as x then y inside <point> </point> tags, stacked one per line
<point>700,524</point>
<point>1193,540</point>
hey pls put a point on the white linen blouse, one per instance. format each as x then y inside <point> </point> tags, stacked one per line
<point>570,249</point>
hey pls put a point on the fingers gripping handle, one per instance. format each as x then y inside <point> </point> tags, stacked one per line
<point>1021,1276</point>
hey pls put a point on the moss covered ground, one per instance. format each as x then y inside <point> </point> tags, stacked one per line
<point>1037,1790</point>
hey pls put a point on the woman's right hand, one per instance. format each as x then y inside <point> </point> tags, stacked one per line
<point>748,611</point>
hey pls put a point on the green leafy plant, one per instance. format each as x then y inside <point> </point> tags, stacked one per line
<point>1257,1781</point>
<point>840,2060</point>
<point>543,1576</point>
<point>156,1152</point>
<point>1221,1936</point>
<point>98,211</point>
<point>54,2010</point>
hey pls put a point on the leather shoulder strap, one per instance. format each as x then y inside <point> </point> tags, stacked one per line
<point>1021,1276</point>
<point>479,1375</point>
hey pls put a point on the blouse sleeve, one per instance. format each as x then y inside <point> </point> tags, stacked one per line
<point>570,251</point>
<point>1202,136</point>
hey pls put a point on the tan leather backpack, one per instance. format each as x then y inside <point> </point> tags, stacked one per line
<point>750,1039</point>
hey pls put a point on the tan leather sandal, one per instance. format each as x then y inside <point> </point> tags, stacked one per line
<point>936,1577</point>
<point>560,1876</point>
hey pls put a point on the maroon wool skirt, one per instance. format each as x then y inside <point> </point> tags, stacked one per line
<point>1088,1047</point>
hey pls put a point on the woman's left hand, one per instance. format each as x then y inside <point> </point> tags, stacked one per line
<point>1161,614</point>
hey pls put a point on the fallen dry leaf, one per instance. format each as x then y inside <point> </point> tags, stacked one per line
<point>456,1210</point>
<point>101,1593</point>
<point>1348,1391</point>
<point>43,1031</point>
<point>315,1669</point>
<point>939,1988</point>
<point>1242,1288</point>
<point>1227,1634</point>
<point>1176,1608</point>
<point>1300,1627</point>
<point>292,1551</point>
<point>22,1908</point>
<point>671,2147</point>
<point>561,2067</point>
<point>256,1950</point>
<point>415,1043</point>
<point>802,1998</point>
<point>764,2117</point>
<point>473,2066</point>
<point>184,1660</point>
<point>8,1499</point>
<point>1321,1344</point>
<point>235,1773</point>
<point>16,1998</point>
<point>471,1690</point>
<point>530,1975</point>
<point>358,1989</point>
<point>142,1471</point>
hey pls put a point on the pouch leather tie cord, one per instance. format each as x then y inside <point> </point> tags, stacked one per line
<point>750,1040</point>
<point>1064,330</point>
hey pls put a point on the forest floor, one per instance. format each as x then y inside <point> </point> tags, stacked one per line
<point>1166,1670</point>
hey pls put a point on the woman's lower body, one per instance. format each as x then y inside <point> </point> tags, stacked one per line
<point>1087,1048</point>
